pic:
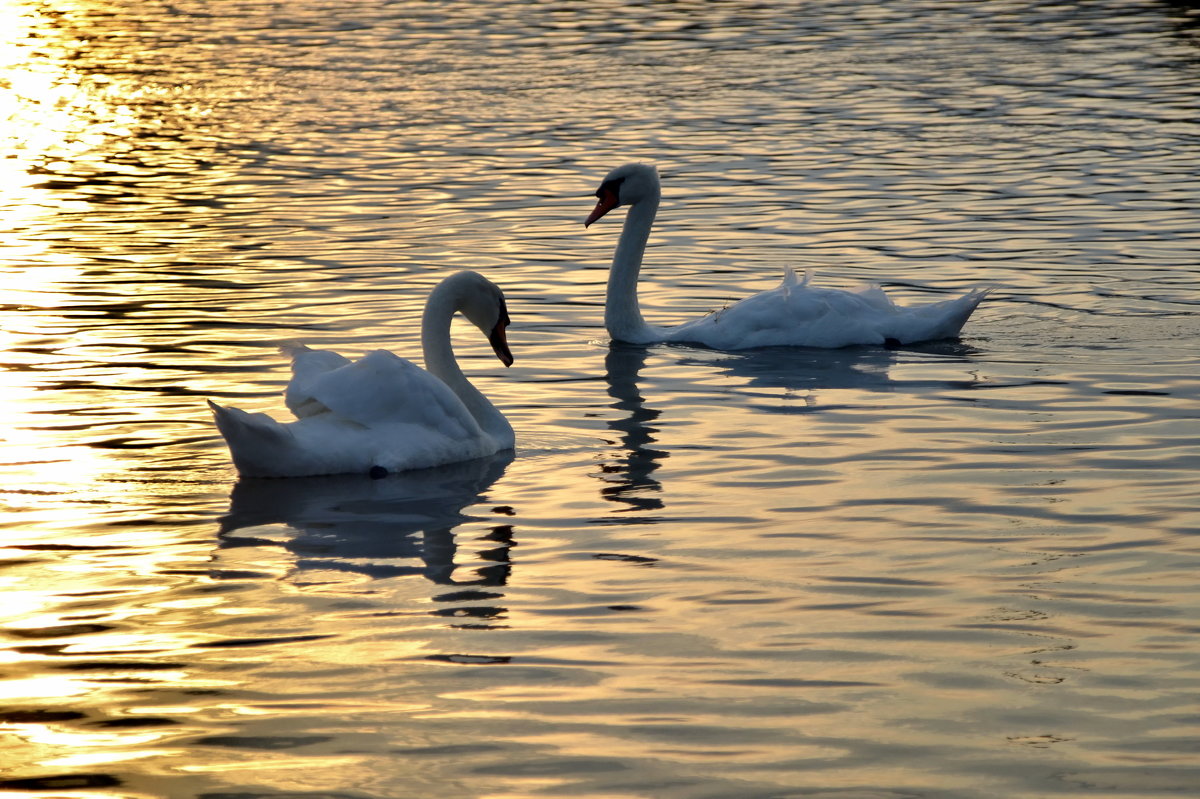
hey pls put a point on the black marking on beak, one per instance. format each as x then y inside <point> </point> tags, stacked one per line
<point>498,339</point>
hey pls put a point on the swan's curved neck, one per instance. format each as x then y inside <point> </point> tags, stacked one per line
<point>622,316</point>
<point>443,303</point>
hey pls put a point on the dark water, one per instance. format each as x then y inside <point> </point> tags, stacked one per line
<point>966,569</point>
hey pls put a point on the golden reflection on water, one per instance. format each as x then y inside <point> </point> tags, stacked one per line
<point>88,184</point>
<point>40,123</point>
<point>36,123</point>
<point>51,114</point>
<point>62,119</point>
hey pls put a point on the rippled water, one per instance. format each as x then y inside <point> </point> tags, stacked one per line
<point>967,569</point>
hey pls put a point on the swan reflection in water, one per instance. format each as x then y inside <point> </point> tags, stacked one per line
<point>629,475</point>
<point>814,370</point>
<point>399,525</point>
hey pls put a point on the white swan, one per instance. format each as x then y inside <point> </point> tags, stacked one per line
<point>795,313</point>
<point>381,413</point>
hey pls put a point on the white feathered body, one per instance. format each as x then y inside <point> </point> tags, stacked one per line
<point>379,411</point>
<point>798,314</point>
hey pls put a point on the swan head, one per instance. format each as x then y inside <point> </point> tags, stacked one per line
<point>482,302</point>
<point>625,185</point>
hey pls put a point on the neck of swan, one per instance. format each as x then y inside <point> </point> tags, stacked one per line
<point>622,316</point>
<point>440,361</point>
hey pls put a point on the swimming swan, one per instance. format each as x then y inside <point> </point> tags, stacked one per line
<point>794,313</point>
<point>381,413</point>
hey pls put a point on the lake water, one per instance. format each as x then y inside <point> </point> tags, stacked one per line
<point>960,570</point>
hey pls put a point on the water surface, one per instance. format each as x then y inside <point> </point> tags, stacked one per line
<point>965,569</point>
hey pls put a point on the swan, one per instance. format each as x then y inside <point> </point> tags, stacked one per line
<point>795,313</point>
<point>381,413</point>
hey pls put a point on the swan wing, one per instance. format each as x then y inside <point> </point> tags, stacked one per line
<point>308,365</point>
<point>799,314</point>
<point>382,388</point>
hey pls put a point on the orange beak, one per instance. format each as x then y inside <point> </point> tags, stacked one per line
<point>608,201</point>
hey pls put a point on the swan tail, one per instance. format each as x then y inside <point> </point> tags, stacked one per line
<point>254,439</point>
<point>949,316</point>
<point>970,301</point>
<point>234,423</point>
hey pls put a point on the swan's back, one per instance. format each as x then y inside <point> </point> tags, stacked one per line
<point>330,444</point>
<point>382,388</point>
<point>798,314</point>
<point>379,411</point>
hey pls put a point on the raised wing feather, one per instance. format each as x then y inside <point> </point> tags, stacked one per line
<point>307,366</point>
<point>382,388</point>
